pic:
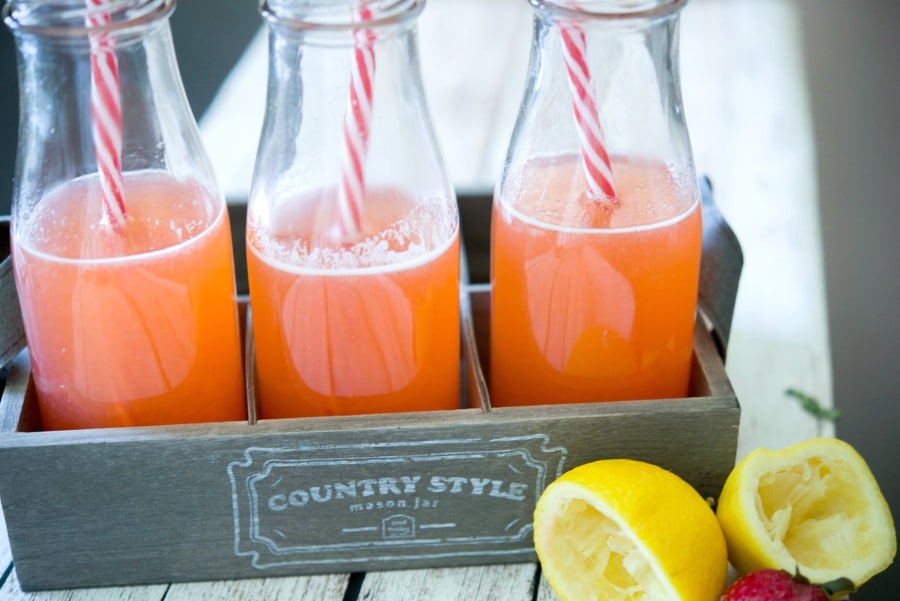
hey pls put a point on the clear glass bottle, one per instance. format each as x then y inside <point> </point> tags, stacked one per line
<point>596,230</point>
<point>353,229</point>
<point>121,242</point>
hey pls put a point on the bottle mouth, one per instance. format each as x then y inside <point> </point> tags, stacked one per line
<point>77,18</point>
<point>328,15</point>
<point>609,9</point>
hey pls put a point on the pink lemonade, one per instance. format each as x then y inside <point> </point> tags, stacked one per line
<point>370,326</point>
<point>131,328</point>
<point>592,304</point>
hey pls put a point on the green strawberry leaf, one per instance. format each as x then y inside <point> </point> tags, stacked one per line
<point>812,405</point>
<point>839,587</point>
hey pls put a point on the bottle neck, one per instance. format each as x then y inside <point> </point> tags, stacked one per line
<point>345,102</point>
<point>72,19</point>
<point>322,19</point>
<point>72,69</point>
<point>605,72</point>
<point>609,10</point>
<point>612,31</point>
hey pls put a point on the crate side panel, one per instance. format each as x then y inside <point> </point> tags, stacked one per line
<point>117,512</point>
<point>418,493</point>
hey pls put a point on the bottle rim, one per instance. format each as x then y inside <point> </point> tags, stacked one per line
<point>322,16</point>
<point>72,18</point>
<point>609,9</point>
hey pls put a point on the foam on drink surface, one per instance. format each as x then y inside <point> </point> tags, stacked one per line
<point>551,193</point>
<point>163,213</point>
<point>300,234</point>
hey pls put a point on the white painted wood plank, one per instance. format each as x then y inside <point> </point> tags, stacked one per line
<point>474,57</point>
<point>544,592</point>
<point>5,552</point>
<point>750,123</point>
<point>329,587</point>
<point>12,592</point>
<point>507,582</point>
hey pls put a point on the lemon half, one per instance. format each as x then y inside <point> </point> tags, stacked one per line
<point>618,529</point>
<point>813,507</point>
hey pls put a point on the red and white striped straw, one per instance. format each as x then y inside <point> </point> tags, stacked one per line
<point>106,116</point>
<point>357,119</point>
<point>594,158</point>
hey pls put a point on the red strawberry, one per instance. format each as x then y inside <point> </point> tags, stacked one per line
<point>773,585</point>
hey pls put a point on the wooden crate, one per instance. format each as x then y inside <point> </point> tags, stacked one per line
<point>314,495</point>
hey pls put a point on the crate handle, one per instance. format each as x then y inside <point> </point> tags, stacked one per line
<point>720,269</point>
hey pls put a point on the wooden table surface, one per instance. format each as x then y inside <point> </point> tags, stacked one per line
<point>749,118</point>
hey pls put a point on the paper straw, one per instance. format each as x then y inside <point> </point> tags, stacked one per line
<point>594,158</point>
<point>351,190</point>
<point>106,116</point>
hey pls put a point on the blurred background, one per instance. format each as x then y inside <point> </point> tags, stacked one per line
<point>851,52</point>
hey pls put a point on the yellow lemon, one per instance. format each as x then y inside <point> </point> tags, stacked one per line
<point>618,529</point>
<point>813,507</point>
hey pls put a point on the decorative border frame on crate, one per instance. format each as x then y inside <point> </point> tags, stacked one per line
<point>300,496</point>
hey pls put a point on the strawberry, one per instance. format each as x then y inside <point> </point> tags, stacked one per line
<point>777,585</point>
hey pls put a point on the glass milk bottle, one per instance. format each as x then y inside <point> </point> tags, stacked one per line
<point>353,230</point>
<point>121,243</point>
<point>596,230</point>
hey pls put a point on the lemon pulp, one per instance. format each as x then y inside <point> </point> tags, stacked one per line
<point>604,561</point>
<point>815,511</point>
<point>625,530</point>
<point>813,507</point>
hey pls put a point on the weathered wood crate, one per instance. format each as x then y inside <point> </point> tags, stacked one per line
<point>314,495</point>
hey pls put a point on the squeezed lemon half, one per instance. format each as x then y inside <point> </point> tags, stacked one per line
<point>618,529</point>
<point>814,507</point>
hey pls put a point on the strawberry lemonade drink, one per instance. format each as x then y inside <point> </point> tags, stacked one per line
<point>131,327</point>
<point>592,303</point>
<point>366,326</point>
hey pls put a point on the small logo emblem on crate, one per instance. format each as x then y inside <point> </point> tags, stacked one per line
<point>398,526</point>
<point>316,504</point>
